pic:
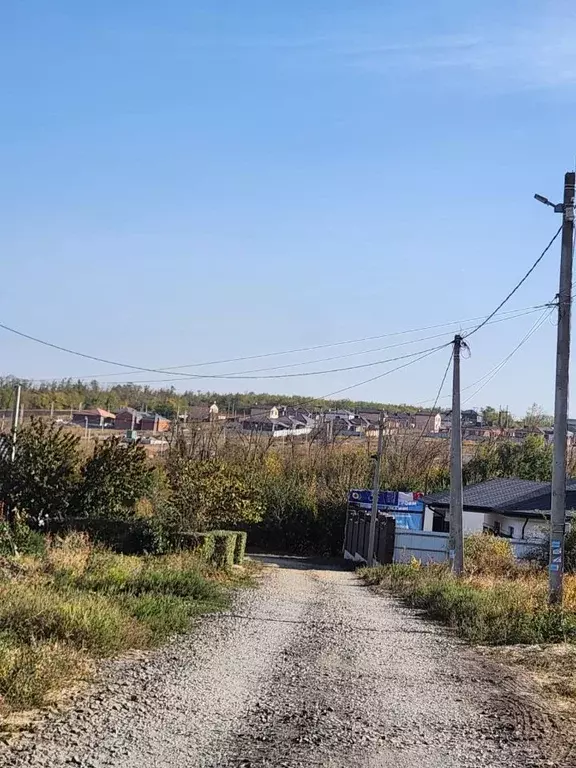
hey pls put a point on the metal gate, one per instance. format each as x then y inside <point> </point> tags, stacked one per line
<point>357,534</point>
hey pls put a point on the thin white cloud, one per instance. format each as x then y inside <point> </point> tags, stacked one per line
<point>543,55</point>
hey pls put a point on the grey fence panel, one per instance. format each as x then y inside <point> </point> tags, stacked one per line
<point>426,546</point>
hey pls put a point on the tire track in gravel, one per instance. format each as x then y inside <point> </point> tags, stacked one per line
<point>314,669</point>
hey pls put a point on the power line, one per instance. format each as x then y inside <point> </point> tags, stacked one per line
<point>496,370</point>
<point>440,388</point>
<point>517,286</point>
<point>191,376</point>
<point>382,375</point>
<point>300,363</point>
<point>541,320</point>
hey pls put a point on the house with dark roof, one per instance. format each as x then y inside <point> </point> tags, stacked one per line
<point>506,506</point>
<point>280,421</point>
<point>130,418</point>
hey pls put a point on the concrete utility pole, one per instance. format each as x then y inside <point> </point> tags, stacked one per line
<point>558,506</point>
<point>456,540</point>
<point>15,419</point>
<point>375,491</point>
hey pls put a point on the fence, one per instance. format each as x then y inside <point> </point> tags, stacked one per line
<point>426,546</point>
<point>357,534</point>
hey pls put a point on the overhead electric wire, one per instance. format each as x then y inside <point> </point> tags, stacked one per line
<point>250,357</point>
<point>296,364</point>
<point>496,370</point>
<point>382,375</point>
<point>517,286</point>
<point>438,394</point>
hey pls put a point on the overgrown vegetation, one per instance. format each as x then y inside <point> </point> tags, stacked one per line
<point>497,602</point>
<point>75,603</point>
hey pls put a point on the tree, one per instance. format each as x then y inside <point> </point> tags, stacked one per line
<point>41,480</point>
<point>113,480</point>
<point>537,417</point>
<point>530,460</point>
<point>490,416</point>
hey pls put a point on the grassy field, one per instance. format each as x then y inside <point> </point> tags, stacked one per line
<point>64,609</point>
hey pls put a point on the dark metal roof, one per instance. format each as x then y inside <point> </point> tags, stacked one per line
<point>506,494</point>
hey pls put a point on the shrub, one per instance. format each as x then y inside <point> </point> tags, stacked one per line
<point>113,479</point>
<point>201,544</point>
<point>240,548</point>
<point>488,555</point>
<point>224,548</point>
<point>20,539</point>
<point>208,493</point>
<point>41,480</point>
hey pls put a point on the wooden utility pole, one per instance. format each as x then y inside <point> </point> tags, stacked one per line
<point>456,540</point>
<point>375,491</point>
<point>558,503</point>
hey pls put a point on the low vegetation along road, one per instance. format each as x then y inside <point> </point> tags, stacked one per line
<point>311,669</point>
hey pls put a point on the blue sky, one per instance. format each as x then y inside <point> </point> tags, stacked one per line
<point>192,181</point>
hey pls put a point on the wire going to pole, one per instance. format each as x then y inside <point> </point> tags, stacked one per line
<point>516,287</point>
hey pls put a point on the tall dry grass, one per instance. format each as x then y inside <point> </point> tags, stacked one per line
<point>75,603</point>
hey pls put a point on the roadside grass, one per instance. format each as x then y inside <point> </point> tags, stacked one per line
<point>496,602</point>
<point>75,603</point>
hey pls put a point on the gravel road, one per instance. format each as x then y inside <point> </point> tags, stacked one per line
<point>311,669</point>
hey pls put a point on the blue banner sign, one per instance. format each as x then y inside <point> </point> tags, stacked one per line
<point>404,508</point>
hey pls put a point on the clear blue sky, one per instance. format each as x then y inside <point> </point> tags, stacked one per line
<point>187,181</point>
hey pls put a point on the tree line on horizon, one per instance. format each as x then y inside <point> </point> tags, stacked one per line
<point>77,394</point>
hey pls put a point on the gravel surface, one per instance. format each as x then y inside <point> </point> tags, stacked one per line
<point>311,669</point>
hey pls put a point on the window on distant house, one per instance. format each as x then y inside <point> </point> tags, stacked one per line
<point>511,531</point>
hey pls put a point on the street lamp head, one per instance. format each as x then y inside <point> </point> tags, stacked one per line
<point>543,200</point>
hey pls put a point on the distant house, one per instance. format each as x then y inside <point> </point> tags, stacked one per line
<point>205,413</point>
<point>94,418</point>
<point>428,421</point>
<point>373,417</point>
<point>130,418</point>
<point>280,421</point>
<point>470,418</point>
<point>511,507</point>
<point>398,422</point>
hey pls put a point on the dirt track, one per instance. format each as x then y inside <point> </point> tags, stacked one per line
<point>311,669</point>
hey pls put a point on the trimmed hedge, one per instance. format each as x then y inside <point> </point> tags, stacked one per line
<point>224,548</point>
<point>201,543</point>
<point>134,537</point>
<point>240,549</point>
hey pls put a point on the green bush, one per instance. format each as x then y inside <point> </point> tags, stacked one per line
<point>21,539</point>
<point>113,480</point>
<point>200,543</point>
<point>488,555</point>
<point>224,548</point>
<point>240,549</point>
